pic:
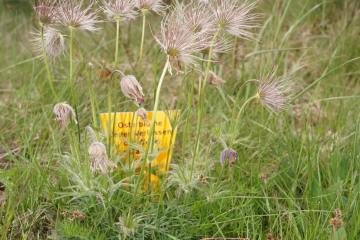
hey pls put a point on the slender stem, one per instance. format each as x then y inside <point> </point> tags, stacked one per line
<point>117,41</point>
<point>71,56</point>
<point>110,120</point>
<point>235,123</point>
<point>243,107</point>
<point>157,98</point>
<point>202,84</point>
<point>47,66</point>
<point>144,12</point>
<point>152,128</point>
<point>235,51</point>
<point>110,87</point>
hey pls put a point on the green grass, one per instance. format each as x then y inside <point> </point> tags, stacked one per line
<point>294,169</point>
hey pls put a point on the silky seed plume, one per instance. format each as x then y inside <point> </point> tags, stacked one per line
<point>179,43</point>
<point>123,10</point>
<point>74,14</point>
<point>234,18</point>
<point>52,41</point>
<point>46,11</point>
<point>156,6</point>
<point>273,92</point>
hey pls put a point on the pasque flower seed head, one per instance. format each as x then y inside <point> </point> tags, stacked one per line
<point>99,161</point>
<point>63,112</point>
<point>132,89</point>
<point>74,14</point>
<point>122,10</point>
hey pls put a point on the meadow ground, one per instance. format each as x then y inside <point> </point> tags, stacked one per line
<point>294,169</point>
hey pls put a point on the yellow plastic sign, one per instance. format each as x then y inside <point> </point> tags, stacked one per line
<point>129,133</point>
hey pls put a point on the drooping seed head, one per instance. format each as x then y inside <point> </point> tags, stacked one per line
<point>63,112</point>
<point>157,6</point>
<point>234,18</point>
<point>179,43</point>
<point>273,92</point>
<point>52,42</point>
<point>74,14</point>
<point>99,161</point>
<point>132,89</point>
<point>142,113</point>
<point>228,156</point>
<point>214,79</point>
<point>46,11</point>
<point>123,10</point>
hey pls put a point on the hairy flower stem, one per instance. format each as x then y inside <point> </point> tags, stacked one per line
<point>47,66</point>
<point>144,12</point>
<point>238,116</point>
<point>152,128</point>
<point>244,105</point>
<point>202,85</point>
<point>111,129</point>
<point>71,56</point>
<point>116,61</point>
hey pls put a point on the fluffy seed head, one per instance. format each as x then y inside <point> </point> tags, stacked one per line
<point>196,17</point>
<point>124,10</point>
<point>228,156</point>
<point>234,18</point>
<point>63,112</point>
<point>74,14</point>
<point>273,93</point>
<point>156,6</point>
<point>132,89</point>
<point>99,161</point>
<point>179,43</point>
<point>205,2</point>
<point>52,42</point>
<point>45,10</point>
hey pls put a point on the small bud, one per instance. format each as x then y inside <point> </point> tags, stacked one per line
<point>214,79</point>
<point>132,89</point>
<point>142,113</point>
<point>62,112</point>
<point>99,160</point>
<point>228,156</point>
